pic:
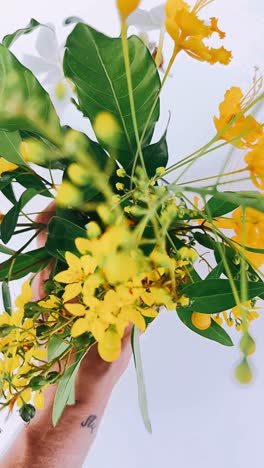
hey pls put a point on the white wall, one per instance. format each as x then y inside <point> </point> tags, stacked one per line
<point>201,418</point>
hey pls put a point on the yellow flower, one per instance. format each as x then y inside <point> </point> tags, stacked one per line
<point>189,32</point>
<point>6,166</point>
<point>245,130</point>
<point>126,7</point>
<point>201,321</point>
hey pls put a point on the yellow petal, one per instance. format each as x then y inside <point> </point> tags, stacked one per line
<point>79,327</point>
<point>6,166</point>
<point>38,400</point>
<point>72,291</point>
<point>110,346</point>
<point>73,261</point>
<point>75,309</point>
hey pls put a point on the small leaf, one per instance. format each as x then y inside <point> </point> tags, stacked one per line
<point>5,250</point>
<point>11,38</point>
<point>218,207</point>
<point>31,262</point>
<point>142,395</point>
<point>64,390</point>
<point>216,272</point>
<point>9,222</point>
<point>56,347</point>
<point>6,297</point>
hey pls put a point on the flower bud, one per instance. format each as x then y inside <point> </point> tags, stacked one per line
<point>126,7</point>
<point>201,321</point>
<point>247,345</point>
<point>243,373</point>
<point>93,230</point>
<point>27,412</point>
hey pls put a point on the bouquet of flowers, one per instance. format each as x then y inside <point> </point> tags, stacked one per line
<point>121,241</point>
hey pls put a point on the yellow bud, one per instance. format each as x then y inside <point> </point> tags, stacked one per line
<point>68,195</point>
<point>185,253</point>
<point>243,373</point>
<point>127,209</point>
<point>229,322</point>
<point>74,142</point>
<point>120,186</point>
<point>121,172</point>
<point>33,151</point>
<point>93,230</point>
<point>126,7</point>
<point>105,214</point>
<point>160,171</point>
<point>184,301</point>
<point>201,321</point>
<point>238,326</point>
<point>77,174</point>
<point>106,127</point>
<point>247,345</point>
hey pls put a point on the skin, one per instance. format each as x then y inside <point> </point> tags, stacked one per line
<point>39,444</point>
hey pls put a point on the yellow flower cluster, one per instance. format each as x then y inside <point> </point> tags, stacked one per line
<point>20,354</point>
<point>189,32</point>
<point>112,284</point>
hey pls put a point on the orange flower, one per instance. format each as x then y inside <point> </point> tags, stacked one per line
<point>245,130</point>
<point>188,32</point>
<point>255,161</point>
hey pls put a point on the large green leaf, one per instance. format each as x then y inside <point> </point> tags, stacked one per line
<point>24,104</point>
<point>95,64</point>
<point>61,236</point>
<point>214,332</point>
<point>252,199</point>
<point>215,295</point>
<point>30,262</point>
<point>56,347</point>
<point>11,38</point>
<point>10,147</point>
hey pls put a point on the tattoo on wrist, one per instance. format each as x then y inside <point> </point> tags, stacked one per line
<point>90,423</point>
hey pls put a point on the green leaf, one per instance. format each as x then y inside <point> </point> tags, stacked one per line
<point>61,236</point>
<point>142,395</point>
<point>65,390</point>
<point>5,180</point>
<point>24,104</point>
<point>31,181</point>
<point>218,207</point>
<point>56,347</point>
<point>11,38</point>
<point>156,155</point>
<point>8,192</point>
<point>215,295</point>
<point>31,262</point>
<point>9,222</point>
<point>10,147</point>
<point>6,297</point>
<point>101,84</point>
<point>205,240</point>
<point>214,332</point>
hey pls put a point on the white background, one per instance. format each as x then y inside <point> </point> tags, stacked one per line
<point>201,418</point>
